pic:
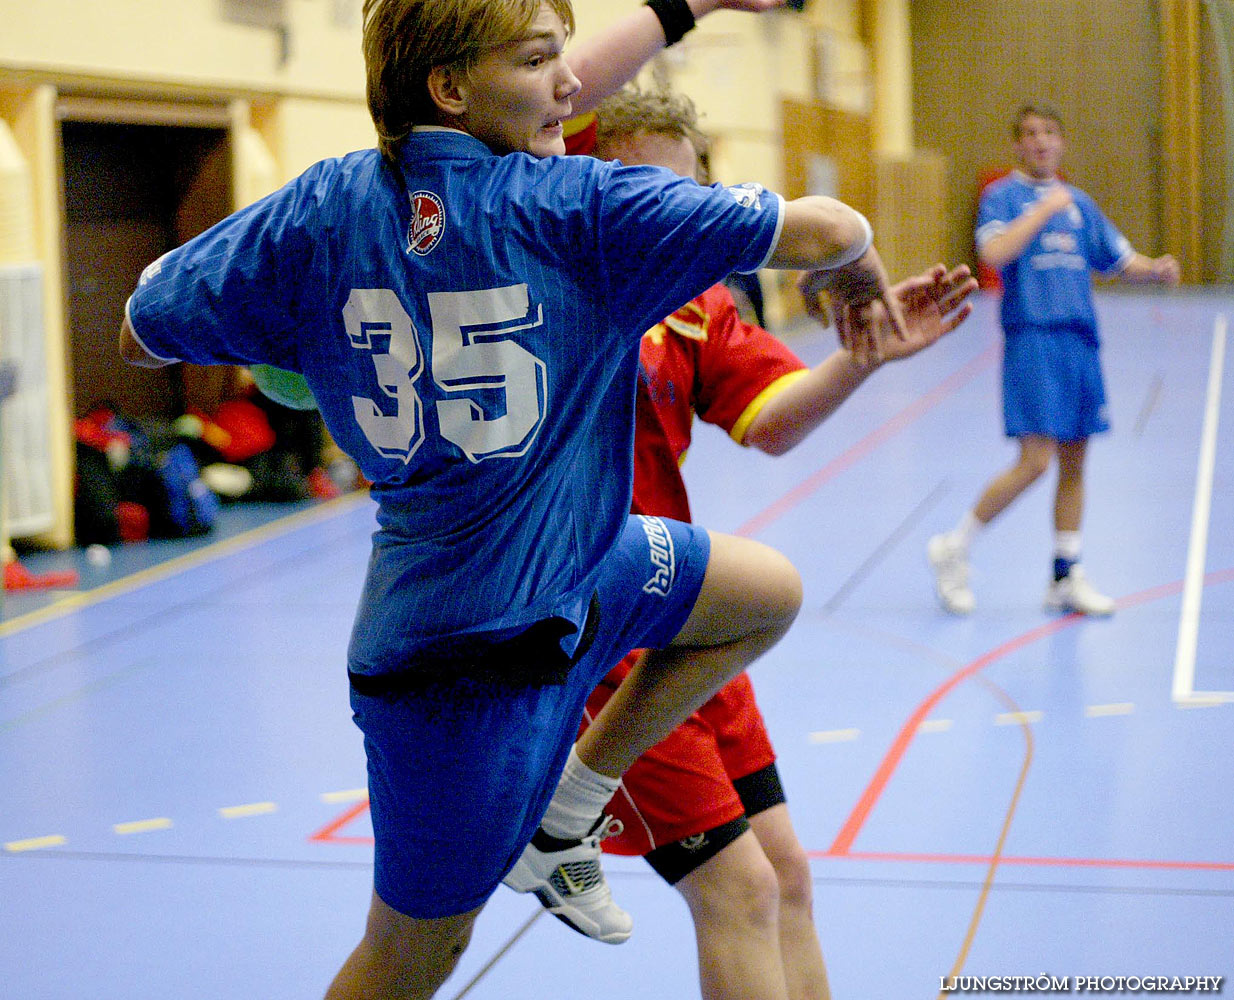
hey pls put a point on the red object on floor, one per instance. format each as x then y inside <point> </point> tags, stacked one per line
<point>134,521</point>
<point>17,577</point>
<point>322,486</point>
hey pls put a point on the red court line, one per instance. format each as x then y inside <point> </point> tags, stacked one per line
<point>329,834</point>
<point>1029,861</point>
<point>842,845</point>
<point>867,444</point>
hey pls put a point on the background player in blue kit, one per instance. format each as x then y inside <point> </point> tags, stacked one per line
<point>468,318</point>
<point>1045,237</point>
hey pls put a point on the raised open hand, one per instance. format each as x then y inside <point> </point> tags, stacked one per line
<point>930,304</point>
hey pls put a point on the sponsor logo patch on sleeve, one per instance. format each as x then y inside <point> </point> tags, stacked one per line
<point>748,195</point>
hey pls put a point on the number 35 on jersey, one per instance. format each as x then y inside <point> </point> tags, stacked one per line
<point>474,360</point>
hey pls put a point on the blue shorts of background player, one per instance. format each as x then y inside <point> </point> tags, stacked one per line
<point>450,824</point>
<point>1052,384</point>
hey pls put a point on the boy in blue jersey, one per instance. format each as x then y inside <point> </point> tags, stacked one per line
<point>466,307</point>
<point>1045,237</point>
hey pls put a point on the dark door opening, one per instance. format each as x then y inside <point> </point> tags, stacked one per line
<point>131,193</point>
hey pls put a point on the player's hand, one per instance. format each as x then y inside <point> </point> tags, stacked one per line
<point>866,313</point>
<point>1167,271</point>
<point>934,302</point>
<point>1057,198</point>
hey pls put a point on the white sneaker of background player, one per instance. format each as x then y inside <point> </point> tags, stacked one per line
<point>950,563</point>
<point>1073,593</point>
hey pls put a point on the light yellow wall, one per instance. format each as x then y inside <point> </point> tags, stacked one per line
<point>736,66</point>
<point>183,41</point>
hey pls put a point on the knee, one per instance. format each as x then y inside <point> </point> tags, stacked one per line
<point>1034,464</point>
<point>771,584</point>
<point>747,897</point>
<point>796,881</point>
<point>785,590</point>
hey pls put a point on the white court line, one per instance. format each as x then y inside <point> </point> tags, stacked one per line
<point>1183,688</point>
<point>834,735</point>
<point>1114,708</point>
<point>1018,718</point>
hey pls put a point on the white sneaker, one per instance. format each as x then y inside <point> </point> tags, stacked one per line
<point>950,575</point>
<point>1075,595</point>
<point>567,878</point>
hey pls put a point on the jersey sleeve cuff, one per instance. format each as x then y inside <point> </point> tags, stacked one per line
<point>128,315</point>
<point>755,406</point>
<point>775,239</point>
<point>988,232</point>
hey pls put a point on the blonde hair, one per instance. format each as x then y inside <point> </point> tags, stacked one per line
<point>633,111</point>
<point>405,39</point>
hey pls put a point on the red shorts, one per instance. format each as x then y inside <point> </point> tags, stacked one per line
<point>684,785</point>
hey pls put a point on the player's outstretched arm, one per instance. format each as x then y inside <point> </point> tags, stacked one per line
<point>1141,270</point>
<point>934,303</point>
<point>607,62</point>
<point>833,241</point>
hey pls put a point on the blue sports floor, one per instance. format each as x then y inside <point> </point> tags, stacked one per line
<point>181,786</point>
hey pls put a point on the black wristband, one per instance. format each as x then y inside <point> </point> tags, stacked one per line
<point>676,18</point>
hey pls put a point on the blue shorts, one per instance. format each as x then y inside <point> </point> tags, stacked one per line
<point>1052,384</point>
<point>459,777</point>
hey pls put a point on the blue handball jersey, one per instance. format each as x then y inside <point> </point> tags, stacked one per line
<point>1049,284</point>
<point>469,325</point>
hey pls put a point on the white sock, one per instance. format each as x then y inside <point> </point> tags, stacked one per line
<point>1067,545</point>
<point>966,530</point>
<point>579,800</point>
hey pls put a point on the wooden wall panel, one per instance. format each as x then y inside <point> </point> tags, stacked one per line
<point>1097,62</point>
<point>910,220</point>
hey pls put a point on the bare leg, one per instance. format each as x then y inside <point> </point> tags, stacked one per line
<point>1036,452</point>
<point>749,598</point>
<point>1069,496</point>
<point>800,952</point>
<point>400,957</point>
<point>734,901</point>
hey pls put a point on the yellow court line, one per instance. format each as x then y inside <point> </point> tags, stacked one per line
<point>143,825</point>
<point>251,809</point>
<point>35,843</point>
<point>970,934</point>
<point>178,564</point>
<point>347,795</point>
<point>834,735</point>
<point>1017,718</point>
<point>935,726</point>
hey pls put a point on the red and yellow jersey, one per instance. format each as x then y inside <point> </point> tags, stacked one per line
<point>580,134</point>
<point>705,360</point>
